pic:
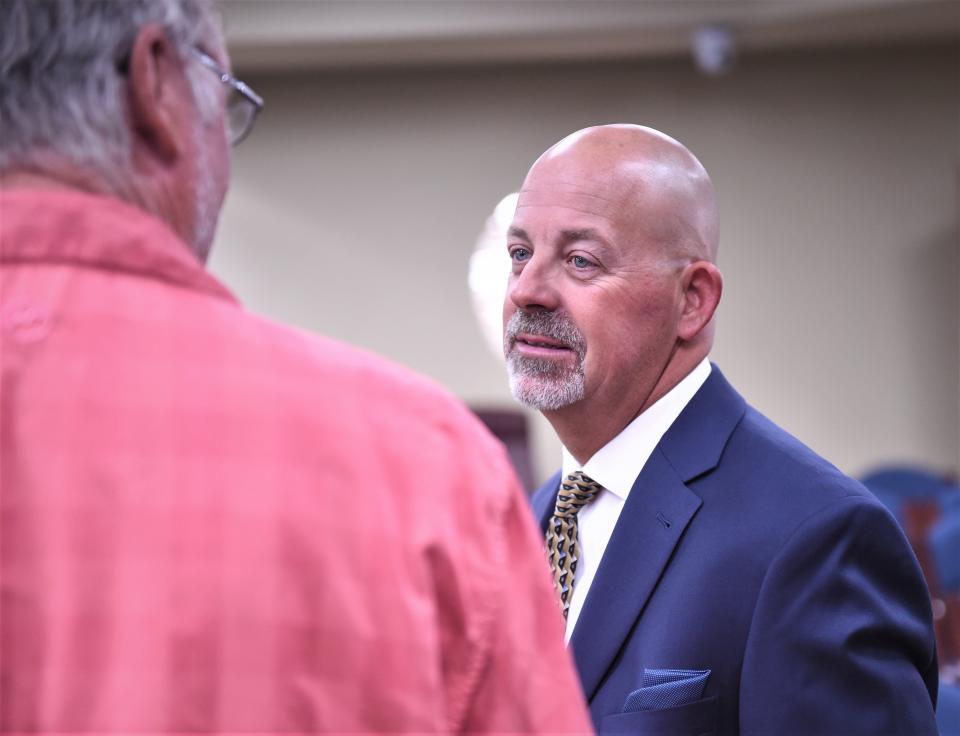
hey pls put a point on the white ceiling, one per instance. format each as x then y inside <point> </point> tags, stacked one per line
<point>338,34</point>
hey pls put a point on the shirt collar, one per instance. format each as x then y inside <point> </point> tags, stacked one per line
<point>70,226</point>
<point>617,464</point>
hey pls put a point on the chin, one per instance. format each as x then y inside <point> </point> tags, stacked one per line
<point>544,394</point>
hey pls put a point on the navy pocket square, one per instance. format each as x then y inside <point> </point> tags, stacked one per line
<point>661,689</point>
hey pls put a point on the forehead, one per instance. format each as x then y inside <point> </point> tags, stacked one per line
<point>558,199</point>
<point>572,197</point>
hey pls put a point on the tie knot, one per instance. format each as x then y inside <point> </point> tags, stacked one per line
<point>576,491</point>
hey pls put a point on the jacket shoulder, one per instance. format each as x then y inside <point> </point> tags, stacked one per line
<point>775,455</point>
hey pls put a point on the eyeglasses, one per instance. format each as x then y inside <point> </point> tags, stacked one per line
<point>243,103</point>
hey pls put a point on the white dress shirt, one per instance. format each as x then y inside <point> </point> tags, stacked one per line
<point>616,466</point>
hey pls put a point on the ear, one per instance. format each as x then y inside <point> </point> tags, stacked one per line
<point>155,94</point>
<point>702,285</point>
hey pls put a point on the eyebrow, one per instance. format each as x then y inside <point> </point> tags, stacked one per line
<point>568,236</point>
<point>518,232</point>
<point>587,233</point>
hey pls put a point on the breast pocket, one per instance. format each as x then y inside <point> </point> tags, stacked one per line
<point>698,718</point>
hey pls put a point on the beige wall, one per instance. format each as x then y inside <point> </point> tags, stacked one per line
<point>357,200</point>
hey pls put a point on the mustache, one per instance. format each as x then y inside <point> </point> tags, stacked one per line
<point>555,325</point>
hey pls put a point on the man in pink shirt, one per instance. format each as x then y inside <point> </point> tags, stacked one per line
<point>211,522</point>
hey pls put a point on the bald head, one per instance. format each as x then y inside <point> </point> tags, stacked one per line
<point>644,175</point>
<point>613,286</point>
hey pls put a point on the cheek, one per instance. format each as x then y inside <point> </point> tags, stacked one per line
<point>628,332</point>
<point>607,336</point>
<point>224,171</point>
<point>218,162</point>
<point>508,306</point>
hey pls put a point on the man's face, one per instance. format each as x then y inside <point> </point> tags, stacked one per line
<point>593,299</point>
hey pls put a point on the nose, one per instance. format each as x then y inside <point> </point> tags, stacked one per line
<point>533,288</point>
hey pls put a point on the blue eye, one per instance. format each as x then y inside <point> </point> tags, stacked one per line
<point>519,254</point>
<point>580,262</point>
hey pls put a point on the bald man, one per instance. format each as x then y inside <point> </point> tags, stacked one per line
<point>715,574</point>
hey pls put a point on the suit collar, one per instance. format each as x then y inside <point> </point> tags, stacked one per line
<point>692,445</point>
<point>696,440</point>
<point>658,510</point>
<point>617,464</point>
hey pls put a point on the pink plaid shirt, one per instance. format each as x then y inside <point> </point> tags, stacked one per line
<point>211,522</point>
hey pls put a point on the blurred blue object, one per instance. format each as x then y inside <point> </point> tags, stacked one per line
<point>944,541</point>
<point>950,501</point>
<point>948,710</point>
<point>896,484</point>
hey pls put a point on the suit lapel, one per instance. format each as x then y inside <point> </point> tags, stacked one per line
<point>653,519</point>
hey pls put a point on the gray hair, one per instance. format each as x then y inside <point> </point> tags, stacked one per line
<point>62,81</point>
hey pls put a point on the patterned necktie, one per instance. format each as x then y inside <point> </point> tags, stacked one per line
<point>575,492</point>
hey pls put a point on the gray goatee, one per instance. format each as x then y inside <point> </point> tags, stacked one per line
<point>544,384</point>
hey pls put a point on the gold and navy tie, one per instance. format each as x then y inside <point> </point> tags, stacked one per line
<point>575,492</point>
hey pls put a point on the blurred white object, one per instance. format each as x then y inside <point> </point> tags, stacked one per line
<point>489,269</point>
<point>714,49</point>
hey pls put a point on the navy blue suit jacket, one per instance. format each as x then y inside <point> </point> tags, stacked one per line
<point>741,551</point>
